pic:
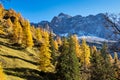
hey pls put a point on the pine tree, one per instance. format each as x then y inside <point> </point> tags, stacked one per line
<point>104,51</point>
<point>96,66</point>
<point>45,55</point>
<point>52,48</point>
<point>27,35</point>
<point>63,66</point>
<point>75,71</point>
<point>68,64</point>
<point>108,71</point>
<point>101,69</point>
<point>101,66</point>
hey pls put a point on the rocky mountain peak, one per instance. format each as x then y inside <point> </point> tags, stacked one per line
<point>63,15</point>
<point>99,25</point>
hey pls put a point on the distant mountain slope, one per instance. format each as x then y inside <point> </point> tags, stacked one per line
<point>99,25</point>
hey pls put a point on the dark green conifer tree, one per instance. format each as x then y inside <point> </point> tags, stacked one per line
<point>96,66</point>
<point>52,48</point>
<point>68,64</point>
<point>101,66</point>
<point>104,50</point>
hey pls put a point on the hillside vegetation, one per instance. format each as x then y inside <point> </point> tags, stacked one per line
<point>18,56</point>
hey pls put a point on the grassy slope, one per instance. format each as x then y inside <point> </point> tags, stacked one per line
<point>18,64</point>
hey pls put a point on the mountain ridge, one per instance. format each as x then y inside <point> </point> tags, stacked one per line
<point>100,25</point>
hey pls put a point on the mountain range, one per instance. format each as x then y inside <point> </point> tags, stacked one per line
<point>102,25</point>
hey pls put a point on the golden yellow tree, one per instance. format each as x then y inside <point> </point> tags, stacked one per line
<point>78,50</point>
<point>45,55</point>
<point>1,11</point>
<point>9,23</point>
<point>1,15</point>
<point>2,75</point>
<point>38,35</point>
<point>110,58</point>
<point>55,44</point>
<point>85,55</point>
<point>17,32</point>
<point>33,31</point>
<point>1,30</point>
<point>27,35</point>
<point>116,66</point>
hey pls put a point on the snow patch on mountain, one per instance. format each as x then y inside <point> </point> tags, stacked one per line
<point>64,35</point>
<point>95,39</point>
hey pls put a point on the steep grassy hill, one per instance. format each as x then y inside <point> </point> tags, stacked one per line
<point>20,64</point>
<point>18,61</point>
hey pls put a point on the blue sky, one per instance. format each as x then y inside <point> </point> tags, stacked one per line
<point>38,10</point>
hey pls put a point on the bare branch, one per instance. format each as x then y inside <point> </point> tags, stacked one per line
<point>114,24</point>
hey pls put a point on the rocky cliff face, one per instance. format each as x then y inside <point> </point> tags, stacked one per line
<point>100,25</point>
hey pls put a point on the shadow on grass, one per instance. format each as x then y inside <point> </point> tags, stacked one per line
<point>29,74</point>
<point>11,46</point>
<point>15,57</point>
<point>3,36</point>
